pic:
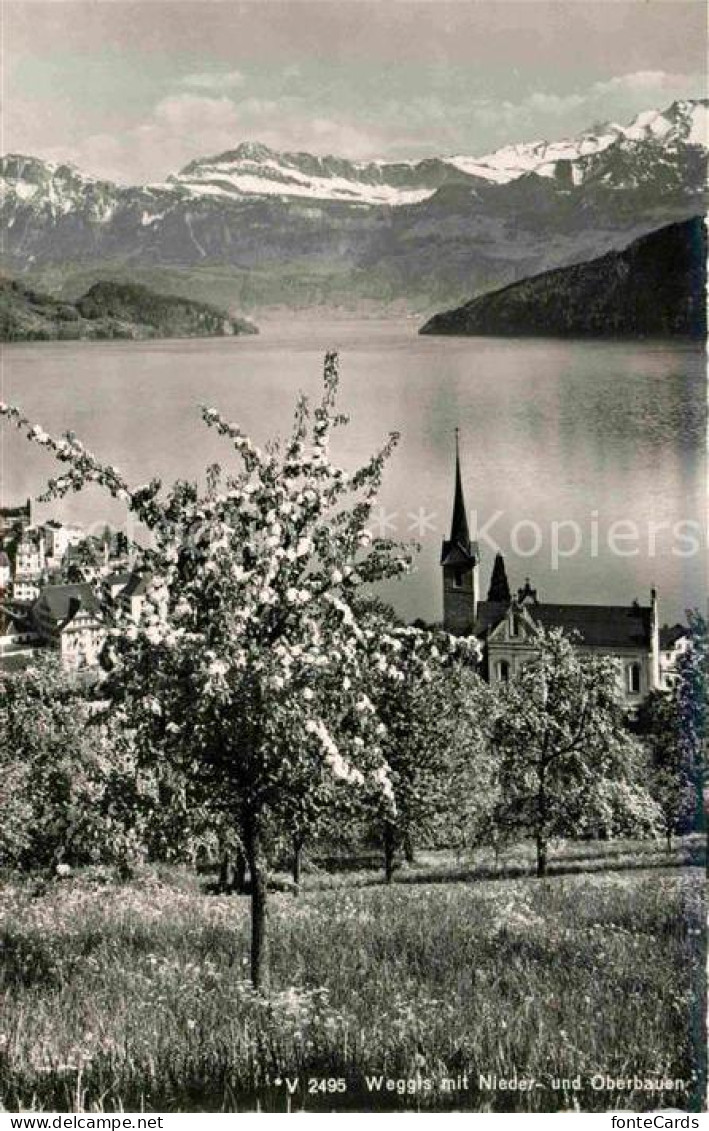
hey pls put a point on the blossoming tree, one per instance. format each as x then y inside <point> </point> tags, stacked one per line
<point>69,790</point>
<point>672,725</point>
<point>431,703</point>
<point>566,762</point>
<point>246,667</point>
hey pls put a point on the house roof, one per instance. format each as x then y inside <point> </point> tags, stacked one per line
<point>15,512</point>
<point>31,535</point>
<point>139,583</point>
<point>670,635</point>
<point>607,626</point>
<point>4,560</point>
<point>120,577</point>
<point>62,602</point>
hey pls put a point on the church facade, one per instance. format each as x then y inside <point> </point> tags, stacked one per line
<point>506,623</point>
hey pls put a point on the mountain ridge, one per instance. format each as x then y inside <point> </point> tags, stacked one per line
<point>253,229</point>
<point>683,122</point>
<point>655,287</point>
<point>109,310</point>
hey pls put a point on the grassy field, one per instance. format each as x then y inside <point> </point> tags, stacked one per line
<point>136,996</point>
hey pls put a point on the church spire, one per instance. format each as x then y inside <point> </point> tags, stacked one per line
<point>460,535</point>
<point>459,562</point>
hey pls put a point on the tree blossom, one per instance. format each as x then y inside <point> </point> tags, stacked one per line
<point>253,602</point>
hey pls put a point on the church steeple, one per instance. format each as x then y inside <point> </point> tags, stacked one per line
<point>460,535</point>
<point>459,562</point>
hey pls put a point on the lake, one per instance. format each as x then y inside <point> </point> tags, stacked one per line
<point>561,441</point>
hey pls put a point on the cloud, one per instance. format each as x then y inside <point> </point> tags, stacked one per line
<point>194,115</point>
<point>547,114</point>
<point>196,122</point>
<point>214,81</point>
<point>189,125</point>
<point>649,82</point>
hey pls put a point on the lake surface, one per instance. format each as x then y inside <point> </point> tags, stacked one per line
<point>583,433</point>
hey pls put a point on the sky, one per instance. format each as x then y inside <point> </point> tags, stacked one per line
<point>132,91</point>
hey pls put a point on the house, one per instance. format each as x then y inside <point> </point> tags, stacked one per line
<point>26,589</point>
<point>30,558</point>
<point>58,537</point>
<point>674,641</point>
<point>117,581</point>
<point>68,618</point>
<point>506,628</point>
<point>5,570</point>
<point>30,562</point>
<point>13,520</point>
<point>132,596</point>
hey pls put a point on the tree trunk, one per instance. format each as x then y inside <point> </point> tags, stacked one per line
<point>669,840</point>
<point>389,851</point>
<point>541,855</point>
<point>240,871</point>
<point>258,867</point>
<point>409,851</point>
<point>297,863</point>
<point>542,825</point>
<point>224,872</point>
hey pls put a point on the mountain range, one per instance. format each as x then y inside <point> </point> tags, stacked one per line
<point>656,287</point>
<point>255,228</point>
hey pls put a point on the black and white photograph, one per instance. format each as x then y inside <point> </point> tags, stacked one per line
<point>353,559</point>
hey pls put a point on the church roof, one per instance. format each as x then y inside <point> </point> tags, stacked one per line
<point>454,554</point>
<point>458,549</point>
<point>600,626</point>
<point>16,512</point>
<point>459,524</point>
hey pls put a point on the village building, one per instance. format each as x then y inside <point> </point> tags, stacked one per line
<point>5,571</point>
<point>30,558</point>
<point>58,537</point>
<point>133,595</point>
<point>506,627</point>
<point>13,520</point>
<point>674,641</point>
<point>68,619</point>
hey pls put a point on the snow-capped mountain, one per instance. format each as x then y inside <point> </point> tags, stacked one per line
<point>57,189</point>
<point>255,170</point>
<point>284,228</point>
<point>684,123</point>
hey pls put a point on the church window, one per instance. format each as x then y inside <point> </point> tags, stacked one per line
<point>458,579</point>
<point>634,678</point>
<point>503,671</point>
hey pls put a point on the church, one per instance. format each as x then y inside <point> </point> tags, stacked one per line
<point>505,623</point>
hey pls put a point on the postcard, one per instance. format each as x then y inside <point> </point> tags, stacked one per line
<point>353,624</point>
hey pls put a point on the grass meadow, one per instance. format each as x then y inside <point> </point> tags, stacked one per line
<point>135,996</point>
